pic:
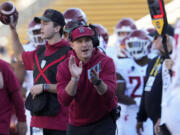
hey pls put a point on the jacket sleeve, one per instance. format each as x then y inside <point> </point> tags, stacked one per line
<point>108,75</point>
<point>13,88</point>
<point>63,77</point>
<point>28,59</point>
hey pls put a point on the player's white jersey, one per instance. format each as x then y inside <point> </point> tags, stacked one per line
<point>133,75</point>
<point>111,51</point>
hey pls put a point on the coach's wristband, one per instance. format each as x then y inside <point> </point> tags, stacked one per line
<point>98,82</point>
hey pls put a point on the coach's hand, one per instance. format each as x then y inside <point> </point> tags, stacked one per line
<point>94,76</point>
<point>75,70</point>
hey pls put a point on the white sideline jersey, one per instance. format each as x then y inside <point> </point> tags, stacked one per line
<point>134,76</point>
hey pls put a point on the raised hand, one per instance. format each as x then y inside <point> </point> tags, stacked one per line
<point>94,76</point>
<point>75,70</point>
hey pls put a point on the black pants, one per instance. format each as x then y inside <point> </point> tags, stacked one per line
<point>51,132</point>
<point>106,126</point>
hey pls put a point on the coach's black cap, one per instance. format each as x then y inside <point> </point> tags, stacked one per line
<point>52,15</point>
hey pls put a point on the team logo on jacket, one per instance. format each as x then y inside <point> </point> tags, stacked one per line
<point>81,30</point>
<point>43,63</point>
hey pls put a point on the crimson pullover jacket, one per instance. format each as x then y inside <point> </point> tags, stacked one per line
<point>87,106</point>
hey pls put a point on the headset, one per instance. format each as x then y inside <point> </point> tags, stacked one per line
<point>95,38</point>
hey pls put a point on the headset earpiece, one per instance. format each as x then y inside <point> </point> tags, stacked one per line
<point>96,36</point>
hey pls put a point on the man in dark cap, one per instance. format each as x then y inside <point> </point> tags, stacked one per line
<point>47,113</point>
<point>152,94</point>
<point>87,83</point>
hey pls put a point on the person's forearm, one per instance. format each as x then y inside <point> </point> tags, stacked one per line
<point>71,88</point>
<point>122,98</point>
<point>50,88</point>
<point>16,44</point>
<point>101,88</point>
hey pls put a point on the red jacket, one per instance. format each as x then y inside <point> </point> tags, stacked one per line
<point>87,106</point>
<point>10,97</point>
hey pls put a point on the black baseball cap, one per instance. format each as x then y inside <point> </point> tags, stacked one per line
<point>52,15</point>
<point>71,25</point>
